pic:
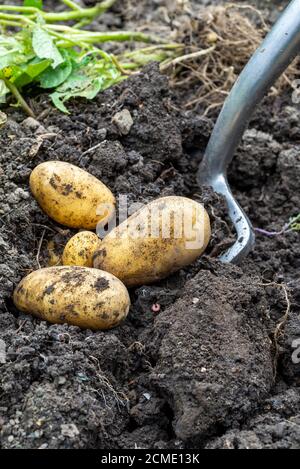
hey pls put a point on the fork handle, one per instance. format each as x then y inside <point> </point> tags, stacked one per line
<point>277,51</point>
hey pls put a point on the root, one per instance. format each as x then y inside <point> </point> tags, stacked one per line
<point>281,324</point>
<point>39,249</point>
<point>104,384</point>
<point>220,41</point>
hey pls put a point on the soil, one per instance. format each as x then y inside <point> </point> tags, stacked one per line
<point>213,367</point>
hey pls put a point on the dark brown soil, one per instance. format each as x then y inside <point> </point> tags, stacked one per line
<point>204,372</point>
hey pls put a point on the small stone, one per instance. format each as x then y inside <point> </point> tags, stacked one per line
<point>123,121</point>
<point>195,301</point>
<point>43,446</point>
<point>10,439</point>
<point>31,124</point>
<point>70,430</point>
<point>3,118</point>
<point>21,194</point>
<point>101,134</point>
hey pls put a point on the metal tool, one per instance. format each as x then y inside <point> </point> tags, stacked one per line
<point>277,51</point>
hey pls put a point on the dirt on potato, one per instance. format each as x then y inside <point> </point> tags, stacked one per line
<point>206,358</point>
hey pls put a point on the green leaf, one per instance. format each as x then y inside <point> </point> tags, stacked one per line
<point>76,85</point>
<point>86,81</point>
<point>56,99</point>
<point>35,67</point>
<point>33,3</point>
<point>7,58</point>
<point>28,72</point>
<point>92,89</point>
<point>53,78</point>
<point>44,47</point>
<point>76,81</point>
<point>89,90</point>
<point>11,51</point>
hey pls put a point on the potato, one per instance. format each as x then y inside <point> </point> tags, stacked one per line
<point>80,249</point>
<point>159,239</point>
<point>53,256</point>
<point>71,196</point>
<point>84,297</point>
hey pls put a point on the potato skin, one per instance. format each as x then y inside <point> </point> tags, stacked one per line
<point>70,196</point>
<point>144,260</point>
<point>80,249</point>
<point>84,297</point>
<point>54,258</point>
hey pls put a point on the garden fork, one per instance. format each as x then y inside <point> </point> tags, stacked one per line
<point>277,51</point>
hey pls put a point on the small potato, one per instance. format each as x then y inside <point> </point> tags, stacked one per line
<point>80,249</point>
<point>84,297</point>
<point>71,196</point>
<point>157,240</point>
<point>54,258</point>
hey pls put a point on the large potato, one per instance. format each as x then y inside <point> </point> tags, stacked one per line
<point>71,196</point>
<point>84,297</point>
<point>80,249</point>
<point>157,240</point>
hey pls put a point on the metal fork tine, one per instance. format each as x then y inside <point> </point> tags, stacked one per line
<point>270,60</point>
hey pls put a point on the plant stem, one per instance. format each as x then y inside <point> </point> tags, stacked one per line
<point>142,59</point>
<point>119,66</point>
<point>145,50</point>
<point>130,66</point>
<point>71,5</point>
<point>63,40</point>
<point>160,53</point>
<point>9,23</point>
<point>10,17</point>
<point>292,225</point>
<point>81,24</point>
<point>83,13</point>
<point>21,101</point>
<point>105,5</point>
<point>64,29</point>
<point>91,37</point>
<point>19,9</point>
<point>270,234</point>
<point>73,15</point>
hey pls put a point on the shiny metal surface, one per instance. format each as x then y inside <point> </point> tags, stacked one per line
<point>270,60</point>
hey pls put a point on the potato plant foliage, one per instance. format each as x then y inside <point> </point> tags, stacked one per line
<point>53,51</point>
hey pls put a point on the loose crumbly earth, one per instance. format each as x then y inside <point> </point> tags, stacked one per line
<point>211,369</point>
